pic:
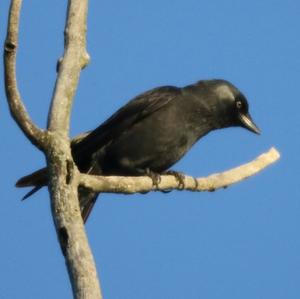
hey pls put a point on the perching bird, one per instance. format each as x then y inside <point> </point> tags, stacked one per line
<point>152,132</point>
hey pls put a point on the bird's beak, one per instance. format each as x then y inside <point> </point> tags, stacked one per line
<point>248,123</point>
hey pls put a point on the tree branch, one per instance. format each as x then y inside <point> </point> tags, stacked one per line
<point>128,185</point>
<point>17,108</point>
<point>75,58</point>
<point>63,178</point>
<point>63,173</point>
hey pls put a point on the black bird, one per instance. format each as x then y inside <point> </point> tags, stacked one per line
<point>152,132</point>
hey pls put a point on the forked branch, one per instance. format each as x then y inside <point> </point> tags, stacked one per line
<point>55,143</point>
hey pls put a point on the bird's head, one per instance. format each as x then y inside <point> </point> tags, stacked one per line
<point>232,105</point>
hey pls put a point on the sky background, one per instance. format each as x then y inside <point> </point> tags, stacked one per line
<point>242,242</point>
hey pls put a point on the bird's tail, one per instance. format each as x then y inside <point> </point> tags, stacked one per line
<point>39,179</point>
<point>87,200</point>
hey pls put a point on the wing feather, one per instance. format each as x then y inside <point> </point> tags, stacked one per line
<point>133,112</point>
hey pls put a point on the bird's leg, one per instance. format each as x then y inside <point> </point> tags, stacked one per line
<point>179,178</point>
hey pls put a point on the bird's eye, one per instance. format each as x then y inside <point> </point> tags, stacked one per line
<point>238,104</point>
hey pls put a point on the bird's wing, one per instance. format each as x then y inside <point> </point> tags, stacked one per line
<point>133,112</point>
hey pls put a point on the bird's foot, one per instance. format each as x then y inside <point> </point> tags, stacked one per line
<point>155,177</point>
<point>196,184</point>
<point>179,178</point>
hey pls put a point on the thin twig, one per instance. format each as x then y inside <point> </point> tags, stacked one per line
<point>128,185</point>
<point>17,108</point>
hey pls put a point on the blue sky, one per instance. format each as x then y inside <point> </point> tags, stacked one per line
<point>242,242</point>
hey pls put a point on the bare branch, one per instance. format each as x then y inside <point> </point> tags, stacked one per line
<point>63,173</point>
<point>17,108</point>
<point>63,183</point>
<point>127,185</point>
<point>75,58</point>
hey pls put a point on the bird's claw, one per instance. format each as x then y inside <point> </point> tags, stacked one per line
<point>155,177</point>
<point>196,184</point>
<point>179,178</point>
